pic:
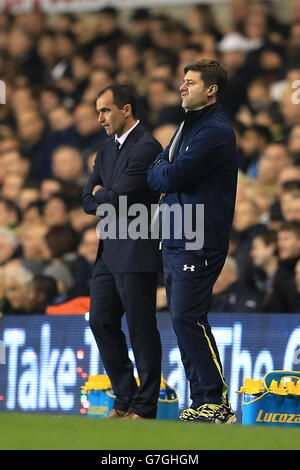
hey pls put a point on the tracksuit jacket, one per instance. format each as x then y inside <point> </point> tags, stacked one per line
<point>203,171</point>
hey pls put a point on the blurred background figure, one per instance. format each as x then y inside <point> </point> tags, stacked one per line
<point>54,67</point>
<point>16,280</point>
<point>42,291</point>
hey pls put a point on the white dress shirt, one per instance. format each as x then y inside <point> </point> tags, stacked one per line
<point>123,137</point>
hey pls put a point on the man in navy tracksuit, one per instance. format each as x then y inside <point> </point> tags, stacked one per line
<point>198,169</point>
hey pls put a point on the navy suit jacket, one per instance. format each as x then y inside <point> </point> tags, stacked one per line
<point>125,174</point>
<point>203,171</point>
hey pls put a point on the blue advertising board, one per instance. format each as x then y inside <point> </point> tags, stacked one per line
<point>45,360</point>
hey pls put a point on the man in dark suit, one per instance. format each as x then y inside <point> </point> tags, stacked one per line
<point>198,170</point>
<point>125,273</point>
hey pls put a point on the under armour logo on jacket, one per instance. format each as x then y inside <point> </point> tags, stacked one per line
<point>186,267</point>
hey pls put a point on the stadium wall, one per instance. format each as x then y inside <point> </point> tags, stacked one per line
<point>44,361</point>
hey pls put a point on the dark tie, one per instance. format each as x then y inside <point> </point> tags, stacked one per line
<point>117,147</point>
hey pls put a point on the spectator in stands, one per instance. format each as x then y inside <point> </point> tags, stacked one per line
<point>293,46</point>
<point>288,242</point>
<point>9,243</point>
<point>253,142</point>
<point>232,295</point>
<point>61,122</point>
<point>140,28</point>
<point>287,191</point>
<point>10,215</point>
<point>87,251</point>
<point>41,292</point>
<point>12,161</point>
<point>291,207</point>
<point>246,223</point>
<point>130,67</point>
<point>33,213</point>
<point>50,186</point>
<point>29,193</point>
<point>159,96</point>
<point>273,160</point>
<point>16,280</point>
<point>233,49</point>
<point>288,174</point>
<point>89,136</point>
<point>79,220</point>
<point>265,261</point>
<point>45,48</point>
<point>109,31</point>
<point>61,241</point>
<point>56,210</point>
<point>65,46</point>
<point>99,77</point>
<point>12,186</point>
<point>21,48</point>
<point>54,70</point>
<point>36,143</point>
<point>67,165</point>
<point>35,253</point>
<point>50,98</point>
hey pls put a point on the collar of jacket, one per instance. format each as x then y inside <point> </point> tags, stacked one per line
<point>201,113</point>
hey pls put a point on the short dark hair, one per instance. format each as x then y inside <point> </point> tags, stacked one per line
<point>290,226</point>
<point>122,95</point>
<point>212,73</point>
<point>61,239</point>
<point>46,285</point>
<point>268,236</point>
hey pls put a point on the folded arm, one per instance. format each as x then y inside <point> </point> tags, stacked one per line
<point>199,159</point>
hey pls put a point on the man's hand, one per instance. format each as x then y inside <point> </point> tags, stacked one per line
<point>96,189</point>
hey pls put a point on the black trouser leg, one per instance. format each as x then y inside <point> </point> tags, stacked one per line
<point>138,294</point>
<point>105,321</point>
<point>135,294</point>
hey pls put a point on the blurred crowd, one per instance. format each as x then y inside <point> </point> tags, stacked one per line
<point>53,69</point>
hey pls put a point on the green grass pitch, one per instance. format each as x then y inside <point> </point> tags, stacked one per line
<point>49,432</point>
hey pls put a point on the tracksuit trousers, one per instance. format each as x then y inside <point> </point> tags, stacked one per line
<point>189,279</point>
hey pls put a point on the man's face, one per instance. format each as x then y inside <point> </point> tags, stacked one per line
<point>273,160</point>
<point>6,250</point>
<point>89,245</point>
<point>291,210</point>
<point>30,126</point>
<point>55,212</point>
<point>288,244</point>
<point>110,116</point>
<point>85,119</point>
<point>244,216</point>
<point>15,292</point>
<point>193,91</point>
<point>260,252</point>
<point>67,164</point>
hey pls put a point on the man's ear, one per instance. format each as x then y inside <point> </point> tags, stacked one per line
<point>127,109</point>
<point>212,90</point>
